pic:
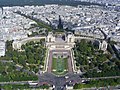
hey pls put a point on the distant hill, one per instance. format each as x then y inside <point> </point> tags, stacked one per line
<point>41,2</point>
<point>63,2</point>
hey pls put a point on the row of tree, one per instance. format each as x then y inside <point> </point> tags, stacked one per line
<point>98,83</point>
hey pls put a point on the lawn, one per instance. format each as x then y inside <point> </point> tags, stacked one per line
<point>59,65</point>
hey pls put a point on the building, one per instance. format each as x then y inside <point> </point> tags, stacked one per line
<point>50,37</point>
<point>16,45</point>
<point>2,48</point>
<point>70,38</point>
<point>103,45</point>
<point>60,25</point>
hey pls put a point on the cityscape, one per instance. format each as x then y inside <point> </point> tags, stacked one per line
<point>59,46</point>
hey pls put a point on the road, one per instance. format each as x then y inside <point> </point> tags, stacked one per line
<point>16,82</point>
<point>49,67</point>
<point>59,82</point>
<point>97,78</point>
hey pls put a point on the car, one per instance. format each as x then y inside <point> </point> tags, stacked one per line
<point>66,77</point>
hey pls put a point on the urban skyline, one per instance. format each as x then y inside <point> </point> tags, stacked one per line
<point>60,47</point>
